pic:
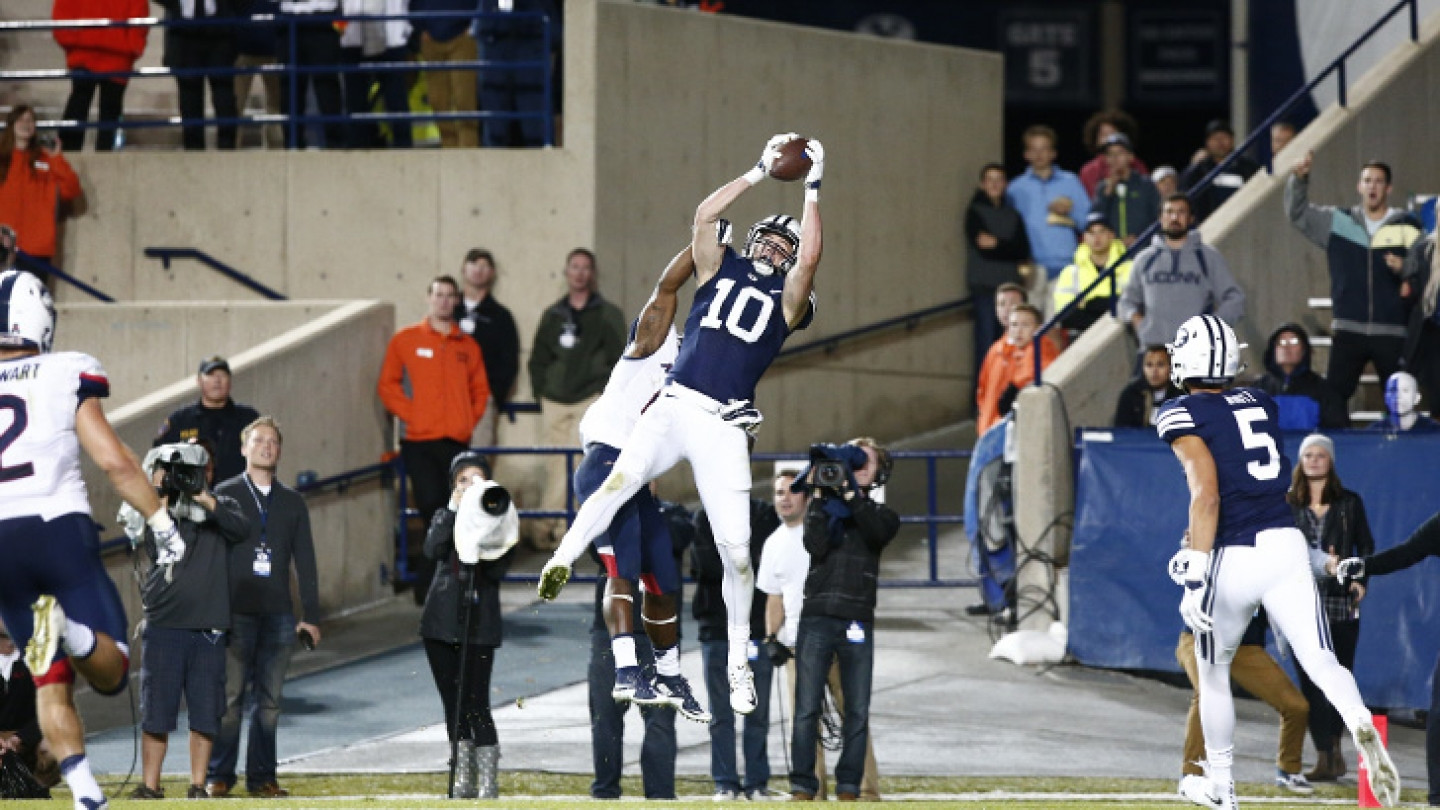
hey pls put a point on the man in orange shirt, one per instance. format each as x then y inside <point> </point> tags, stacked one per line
<point>448,393</point>
<point>1010,366</point>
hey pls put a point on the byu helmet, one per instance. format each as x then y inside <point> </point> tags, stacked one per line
<point>782,226</point>
<point>27,312</point>
<point>1205,351</point>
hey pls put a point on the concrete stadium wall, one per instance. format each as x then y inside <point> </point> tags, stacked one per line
<point>318,379</point>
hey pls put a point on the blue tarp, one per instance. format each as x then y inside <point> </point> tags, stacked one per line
<point>1131,507</point>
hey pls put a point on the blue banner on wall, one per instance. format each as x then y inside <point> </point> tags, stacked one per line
<point>1131,507</point>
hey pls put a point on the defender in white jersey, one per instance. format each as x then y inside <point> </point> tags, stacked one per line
<point>55,596</point>
<point>734,331</point>
<point>1244,553</point>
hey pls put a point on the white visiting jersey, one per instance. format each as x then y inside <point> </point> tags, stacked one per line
<point>633,384</point>
<point>39,450</point>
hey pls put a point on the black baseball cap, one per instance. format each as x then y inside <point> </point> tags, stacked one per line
<point>214,363</point>
<point>1098,218</point>
<point>1219,125</point>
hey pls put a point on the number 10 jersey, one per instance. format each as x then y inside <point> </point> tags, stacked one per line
<point>735,329</point>
<point>39,449</point>
<point>1240,427</point>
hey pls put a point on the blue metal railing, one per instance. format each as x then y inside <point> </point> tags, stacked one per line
<point>295,117</point>
<point>909,321</point>
<point>25,261</point>
<point>165,255</point>
<point>1337,67</point>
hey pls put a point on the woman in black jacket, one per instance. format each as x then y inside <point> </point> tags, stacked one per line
<point>1333,520</point>
<point>478,749</point>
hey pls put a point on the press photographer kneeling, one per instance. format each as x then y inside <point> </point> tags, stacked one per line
<point>186,596</point>
<point>845,532</point>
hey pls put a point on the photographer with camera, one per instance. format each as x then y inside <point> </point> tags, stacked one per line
<point>186,596</point>
<point>845,532</point>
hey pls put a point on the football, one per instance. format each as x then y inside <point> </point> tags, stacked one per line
<point>793,163</point>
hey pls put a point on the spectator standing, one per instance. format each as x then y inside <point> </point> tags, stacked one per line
<point>1333,520</point>
<point>1096,254</point>
<point>34,180</point>
<point>187,614</point>
<point>316,43</point>
<point>997,246</point>
<point>709,611</point>
<point>1178,276</point>
<point>450,40</point>
<point>365,42</point>
<point>1100,126</point>
<point>98,50</point>
<point>1365,247</point>
<point>1140,401</point>
<point>504,38</point>
<point>255,47</point>
<point>1402,397</point>
<point>19,722</point>
<point>488,321</point>
<point>577,342</point>
<point>1050,200</point>
<point>1166,180</point>
<point>447,396</point>
<point>1007,296</point>
<point>1421,288</point>
<point>1010,366</point>
<point>1127,198</point>
<point>837,622</point>
<point>1305,400</point>
<point>214,417</point>
<point>263,626</point>
<point>1219,143</point>
<point>207,46</point>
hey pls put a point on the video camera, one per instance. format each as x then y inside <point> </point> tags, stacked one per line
<point>831,468</point>
<point>184,467</point>
<point>486,525</point>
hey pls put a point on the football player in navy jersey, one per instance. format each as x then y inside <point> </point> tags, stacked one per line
<point>745,307</point>
<point>1244,552</point>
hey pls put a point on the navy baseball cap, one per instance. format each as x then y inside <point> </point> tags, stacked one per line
<point>1097,218</point>
<point>214,363</point>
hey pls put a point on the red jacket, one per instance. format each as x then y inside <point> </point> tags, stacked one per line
<point>29,196</point>
<point>101,50</point>
<point>448,387</point>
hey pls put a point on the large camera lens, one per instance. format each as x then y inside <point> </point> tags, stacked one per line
<point>495,501</point>
<point>187,479</point>
<point>829,474</point>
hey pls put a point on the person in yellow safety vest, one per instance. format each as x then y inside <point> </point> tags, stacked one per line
<point>1099,240</point>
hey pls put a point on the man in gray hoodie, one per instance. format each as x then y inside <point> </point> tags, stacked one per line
<point>1177,277</point>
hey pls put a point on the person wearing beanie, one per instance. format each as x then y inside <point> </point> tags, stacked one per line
<point>1306,400</point>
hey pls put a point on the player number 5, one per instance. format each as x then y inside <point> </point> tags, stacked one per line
<point>1246,419</point>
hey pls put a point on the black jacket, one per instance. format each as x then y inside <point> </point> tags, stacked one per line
<point>1136,404</point>
<point>17,705</point>
<point>844,576</point>
<point>709,573</point>
<point>442,618</point>
<point>286,527</point>
<point>195,595</point>
<point>994,266</point>
<point>1302,382</point>
<point>1346,534</point>
<point>221,426</point>
<point>493,328</point>
<point>1213,197</point>
<point>1424,542</point>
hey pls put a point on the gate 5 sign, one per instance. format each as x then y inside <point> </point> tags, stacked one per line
<point>1049,55</point>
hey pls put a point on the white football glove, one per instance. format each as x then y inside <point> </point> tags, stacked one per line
<point>1197,588</point>
<point>1351,569</point>
<point>816,152</point>
<point>1186,561</point>
<point>169,545</point>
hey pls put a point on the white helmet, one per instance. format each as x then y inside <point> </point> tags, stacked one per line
<point>27,312</point>
<point>1205,351</point>
<point>782,226</point>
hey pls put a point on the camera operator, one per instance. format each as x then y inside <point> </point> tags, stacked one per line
<point>845,532</point>
<point>186,596</point>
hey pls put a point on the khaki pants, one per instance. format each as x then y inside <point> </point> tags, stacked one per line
<point>559,427</point>
<point>487,429</point>
<point>1257,673</point>
<point>274,137</point>
<point>870,782</point>
<point>453,90</point>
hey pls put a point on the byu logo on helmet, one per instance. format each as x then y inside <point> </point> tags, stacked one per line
<point>27,312</point>
<point>1205,351</point>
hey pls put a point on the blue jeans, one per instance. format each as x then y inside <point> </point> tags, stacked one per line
<point>260,650</point>
<point>607,728</point>
<point>821,639</point>
<point>722,729</point>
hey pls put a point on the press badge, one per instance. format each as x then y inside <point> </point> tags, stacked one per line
<point>855,634</point>
<point>261,566</point>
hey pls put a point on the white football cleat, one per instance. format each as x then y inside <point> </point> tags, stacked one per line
<point>1384,779</point>
<point>743,699</point>
<point>1200,790</point>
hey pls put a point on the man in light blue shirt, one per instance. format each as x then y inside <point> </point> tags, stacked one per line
<point>1050,200</point>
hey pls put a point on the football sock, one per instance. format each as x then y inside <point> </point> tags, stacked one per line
<point>1219,765</point>
<point>739,650</point>
<point>623,647</point>
<point>82,784</point>
<point>667,660</point>
<point>79,640</point>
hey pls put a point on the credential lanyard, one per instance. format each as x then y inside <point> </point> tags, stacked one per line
<point>262,505</point>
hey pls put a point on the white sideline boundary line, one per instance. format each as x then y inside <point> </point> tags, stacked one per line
<point>986,796</point>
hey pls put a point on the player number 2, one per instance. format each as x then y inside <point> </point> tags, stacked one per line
<point>737,311</point>
<point>1246,419</point>
<point>20,419</point>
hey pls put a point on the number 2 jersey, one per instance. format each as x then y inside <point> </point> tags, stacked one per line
<point>735,328</point>
<point>1241,429</point>
<point>633,384</point>
<point>39,449</point>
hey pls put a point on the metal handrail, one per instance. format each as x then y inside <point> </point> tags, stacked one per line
<point>165,255</point>
<point>1336,66</point>
<point>26,261</point>
<point>909,320</point>
<point>295,117</point>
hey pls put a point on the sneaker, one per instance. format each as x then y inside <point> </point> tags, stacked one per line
<point>742,689</point>
<point>196,792</point>
<point>1384,779</point>
<point>147,792</point>
<point>552,578</point>
<point>631,686</point>
<point>726,796</point>
<point>676,691</point>
<point>45,638</point>
<point>1294,782</point>
<point>765,794</point>
<point>1199,790</point>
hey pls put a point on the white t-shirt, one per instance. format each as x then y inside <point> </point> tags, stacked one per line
<point>39,449</point>
<point>783,566</point>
